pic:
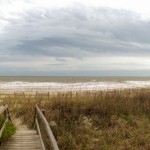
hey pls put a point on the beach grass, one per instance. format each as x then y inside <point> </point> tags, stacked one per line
<point>105,120</point>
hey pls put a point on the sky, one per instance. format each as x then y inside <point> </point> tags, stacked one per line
<point>75,37</point>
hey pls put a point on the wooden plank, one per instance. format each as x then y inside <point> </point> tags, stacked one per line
<point>38,129</point>
<point>3,148</point>
<point>8,113</point>
<point>3,108</point>
<point>24,140</point>
<point>20,147</point>
<point>25,137</point>
<point>26,133</point>
<point>48,130</point>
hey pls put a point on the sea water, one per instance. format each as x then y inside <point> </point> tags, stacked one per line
<point>31,83</point>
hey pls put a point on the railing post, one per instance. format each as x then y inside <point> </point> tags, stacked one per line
<point>8,114</point>
<point>35,117</point>
<point>54,128</point>
<point>5,114</point>
<point>44,112</point>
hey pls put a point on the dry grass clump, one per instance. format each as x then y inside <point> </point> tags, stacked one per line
<point>103,120</point>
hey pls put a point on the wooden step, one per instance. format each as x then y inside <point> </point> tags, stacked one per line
<point>23,140</point>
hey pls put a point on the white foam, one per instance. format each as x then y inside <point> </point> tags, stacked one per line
<point>54,86</point>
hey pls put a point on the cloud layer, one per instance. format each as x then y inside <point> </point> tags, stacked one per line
<point>73,38</point>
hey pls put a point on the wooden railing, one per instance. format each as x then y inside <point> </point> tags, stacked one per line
<point>41,120</point>
<point>5,111</point>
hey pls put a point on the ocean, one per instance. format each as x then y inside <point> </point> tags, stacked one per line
<point>70,83</point>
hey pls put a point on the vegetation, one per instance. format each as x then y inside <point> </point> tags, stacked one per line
<point>109,120</point>
<point>8,131</point>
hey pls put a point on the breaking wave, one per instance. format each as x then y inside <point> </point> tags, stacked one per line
<point>58,86</point>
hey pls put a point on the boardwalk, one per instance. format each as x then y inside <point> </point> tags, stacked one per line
<point>23,140</point>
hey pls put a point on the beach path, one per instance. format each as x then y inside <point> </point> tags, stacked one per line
<point>24,139</point>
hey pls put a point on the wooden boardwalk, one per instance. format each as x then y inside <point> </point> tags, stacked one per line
<point>23,140</point>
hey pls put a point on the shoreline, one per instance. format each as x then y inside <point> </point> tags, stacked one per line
<point>65,87</point>
<point>55,92</point>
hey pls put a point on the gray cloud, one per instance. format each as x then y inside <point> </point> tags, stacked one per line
<point>61,59</point>
<point>78,32</point>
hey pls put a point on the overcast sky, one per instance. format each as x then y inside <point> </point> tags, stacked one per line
<point>74,37</point>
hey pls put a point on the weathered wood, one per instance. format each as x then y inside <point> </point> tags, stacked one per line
<point>28,139</point>
<point>23,140</point>
<point>8,115</point>
<point>3,108</point>
<point>54,128</point>
<point>43,112</point>
<point>49,132</point>
<point>39,133</point>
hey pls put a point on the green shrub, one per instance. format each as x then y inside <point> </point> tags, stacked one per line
<point>8,131</point>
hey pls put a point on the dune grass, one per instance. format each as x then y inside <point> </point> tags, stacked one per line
<point>9,129</point>
<point>108,120</point>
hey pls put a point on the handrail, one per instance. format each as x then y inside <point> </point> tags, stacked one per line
<point>5,110</point>
<point>52,140</point>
